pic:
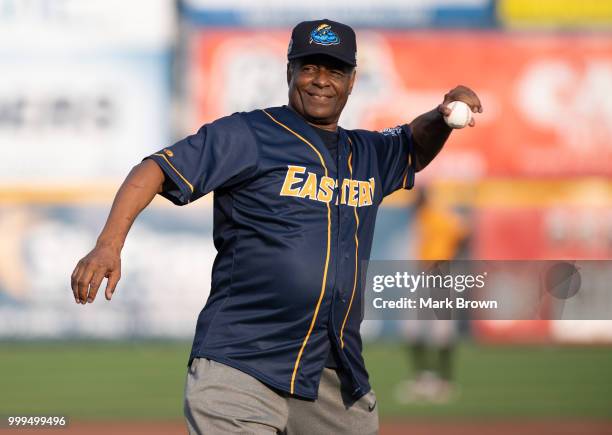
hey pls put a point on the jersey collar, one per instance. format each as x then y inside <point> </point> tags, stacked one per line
<point>299,125</point>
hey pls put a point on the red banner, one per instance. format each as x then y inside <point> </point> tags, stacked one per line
<point>547,98</point>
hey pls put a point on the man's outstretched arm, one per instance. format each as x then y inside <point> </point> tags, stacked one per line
<point>104,261</point>
<point>430,132</point>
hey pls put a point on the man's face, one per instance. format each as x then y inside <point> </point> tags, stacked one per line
<point>319,87</point>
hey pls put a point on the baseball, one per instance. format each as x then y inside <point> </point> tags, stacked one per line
<point>460,116</point>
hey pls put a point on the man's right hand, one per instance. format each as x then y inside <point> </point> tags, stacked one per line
<point>104,261</point>
<point>144,181</point>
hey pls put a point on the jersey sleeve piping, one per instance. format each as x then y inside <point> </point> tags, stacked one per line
<point>408,182</point>
<point>177,178</point>
<point>177,171</point>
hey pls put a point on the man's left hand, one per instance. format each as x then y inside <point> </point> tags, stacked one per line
<point>465,94</point>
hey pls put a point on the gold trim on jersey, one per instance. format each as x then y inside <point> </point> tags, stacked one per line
<point>175,170</point>
<point>348,310</point>
<point>327,255</point>
<point>407,170</point>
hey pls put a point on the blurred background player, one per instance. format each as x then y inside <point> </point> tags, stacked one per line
<point>441,234</point>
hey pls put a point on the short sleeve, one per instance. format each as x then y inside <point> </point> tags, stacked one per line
<point>395,152</point>
<point>221,154</point>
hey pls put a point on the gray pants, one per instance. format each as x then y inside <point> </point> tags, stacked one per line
<point>222,400</point>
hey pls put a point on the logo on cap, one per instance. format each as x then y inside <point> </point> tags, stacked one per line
<point>324,35</point>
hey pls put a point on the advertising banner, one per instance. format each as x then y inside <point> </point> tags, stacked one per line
<point>166,264</point>
<point>561,231</point>
<point>546,14</point>
<point>382,13</point>
<point>85,88</point>
<point>545,97</point>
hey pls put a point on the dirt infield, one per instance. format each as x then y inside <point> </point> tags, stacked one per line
<point>397,428</point>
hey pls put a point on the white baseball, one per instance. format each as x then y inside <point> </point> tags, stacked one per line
<point>460,115</point>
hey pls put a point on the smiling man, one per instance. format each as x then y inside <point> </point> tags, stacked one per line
<point>277,346</point>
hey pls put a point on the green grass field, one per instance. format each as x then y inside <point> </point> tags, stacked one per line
<point>144,381</point>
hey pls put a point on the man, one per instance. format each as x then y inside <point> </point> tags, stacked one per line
<point>277,346</point>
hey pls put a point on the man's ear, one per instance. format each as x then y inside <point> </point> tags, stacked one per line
<point>289,73</point>
<point>352,80</point>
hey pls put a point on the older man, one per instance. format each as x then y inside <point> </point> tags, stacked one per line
<point>277,346</point>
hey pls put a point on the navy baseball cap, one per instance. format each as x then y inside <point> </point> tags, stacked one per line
<point>323,37</point>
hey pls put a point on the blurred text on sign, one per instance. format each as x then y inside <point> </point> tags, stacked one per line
<point>546,101</point>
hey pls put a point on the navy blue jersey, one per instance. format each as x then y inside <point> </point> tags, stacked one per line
<point>291,227</point>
